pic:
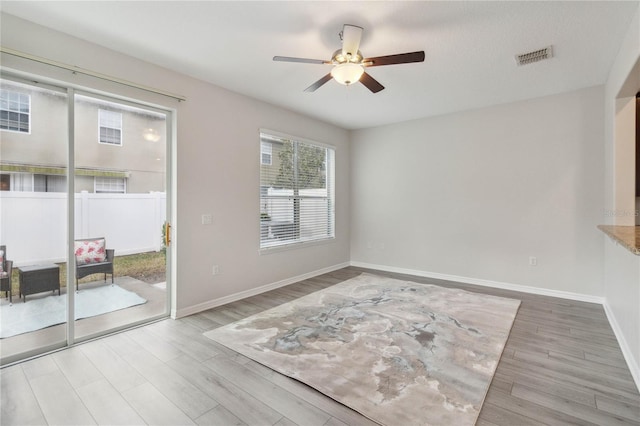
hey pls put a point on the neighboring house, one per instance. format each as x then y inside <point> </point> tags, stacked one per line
<point>119,149</point>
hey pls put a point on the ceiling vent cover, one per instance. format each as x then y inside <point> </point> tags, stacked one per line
<point>535,56</point>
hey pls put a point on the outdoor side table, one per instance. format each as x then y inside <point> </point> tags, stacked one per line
<point>39,278</point>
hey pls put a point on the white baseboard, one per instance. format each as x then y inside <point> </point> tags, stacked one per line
<point>190,310</point>
<point>486,283</point>
<point>632,363</point>
<point>467,280</point>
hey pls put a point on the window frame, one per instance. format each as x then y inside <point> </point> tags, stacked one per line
<point>330,176</point>
<point>9,111</point>
<point>102,112</point>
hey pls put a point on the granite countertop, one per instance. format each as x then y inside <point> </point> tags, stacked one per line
<point>628,236</point>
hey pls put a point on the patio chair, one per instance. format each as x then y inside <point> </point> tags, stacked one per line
<point>6,267</point>
<point>92,257</point>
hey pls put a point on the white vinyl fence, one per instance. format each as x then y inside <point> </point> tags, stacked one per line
<point>33,225</point>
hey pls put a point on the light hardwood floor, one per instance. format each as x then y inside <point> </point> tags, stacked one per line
<point>561,365</point>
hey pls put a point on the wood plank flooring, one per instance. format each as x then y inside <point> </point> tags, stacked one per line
<point>561,365</point>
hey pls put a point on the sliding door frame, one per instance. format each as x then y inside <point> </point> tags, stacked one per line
<point>71,214</point>
<point>168,209</point>
<point>67,91</point>
<point>71,91</point>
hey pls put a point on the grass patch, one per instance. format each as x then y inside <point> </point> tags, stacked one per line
<point>148,267</point>
<point>143,266</point>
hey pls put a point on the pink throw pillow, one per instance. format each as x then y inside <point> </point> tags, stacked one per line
<point>90,251</point>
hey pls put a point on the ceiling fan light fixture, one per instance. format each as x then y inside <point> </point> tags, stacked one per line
<point>348,62</point>
<point>347,73</point>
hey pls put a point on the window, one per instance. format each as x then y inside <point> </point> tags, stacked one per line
<point>21,182</point>
<point>110,185</point>
<point>5,182</point>
<point>110,127</point>
<point>49,183</point>
<point>15,110</point>
<point>30,182</point>
<point>297,196</point>
<point>266,153</point>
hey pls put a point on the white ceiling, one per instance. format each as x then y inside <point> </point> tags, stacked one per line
<point>470,48</point>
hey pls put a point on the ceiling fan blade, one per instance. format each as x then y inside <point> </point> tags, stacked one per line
<point>318,83</point>
<point>402,58</point>
<point>351,36</point>
<point>371,83</point>
<point>300,60</point>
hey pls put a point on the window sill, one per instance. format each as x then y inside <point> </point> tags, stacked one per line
<point>295,246</point>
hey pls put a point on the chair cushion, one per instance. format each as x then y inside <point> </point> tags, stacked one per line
<point>2,263</point>
<point>90,251</point>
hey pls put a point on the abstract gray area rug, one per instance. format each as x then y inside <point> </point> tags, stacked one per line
<point>38,313</point>
<point>398,352</point>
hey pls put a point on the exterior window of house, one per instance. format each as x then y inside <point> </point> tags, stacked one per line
<point>22,182</point>
<point>266,153</point>
<point>297,193</point>
<point>112,185</point>
<point>15,111</point>
<point>49,183</point>
<point>5,182</point>
<point>110,127</point>
<point>29,182</point>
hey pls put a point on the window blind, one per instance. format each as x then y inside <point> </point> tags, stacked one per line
<point>296,192</point>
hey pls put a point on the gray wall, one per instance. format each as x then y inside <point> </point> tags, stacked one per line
<point>477,193</point>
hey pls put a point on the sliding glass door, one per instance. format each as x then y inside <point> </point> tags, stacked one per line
<point>120,211</point>
<point>33,217</point>
<point>87,253</point>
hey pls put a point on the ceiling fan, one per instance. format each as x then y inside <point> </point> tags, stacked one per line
<point>349,64</point>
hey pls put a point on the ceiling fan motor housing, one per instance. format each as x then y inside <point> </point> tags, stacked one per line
<point>339,58</point>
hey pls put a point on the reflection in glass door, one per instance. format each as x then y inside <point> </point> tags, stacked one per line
<point>120,212</point>
<point>33,218</point>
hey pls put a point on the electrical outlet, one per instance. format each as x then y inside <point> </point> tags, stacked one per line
<point>533,261</point>
<point>207,219</point>
<point>215,270</point>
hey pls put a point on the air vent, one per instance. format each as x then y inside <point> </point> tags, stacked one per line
<point>535,56</point>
